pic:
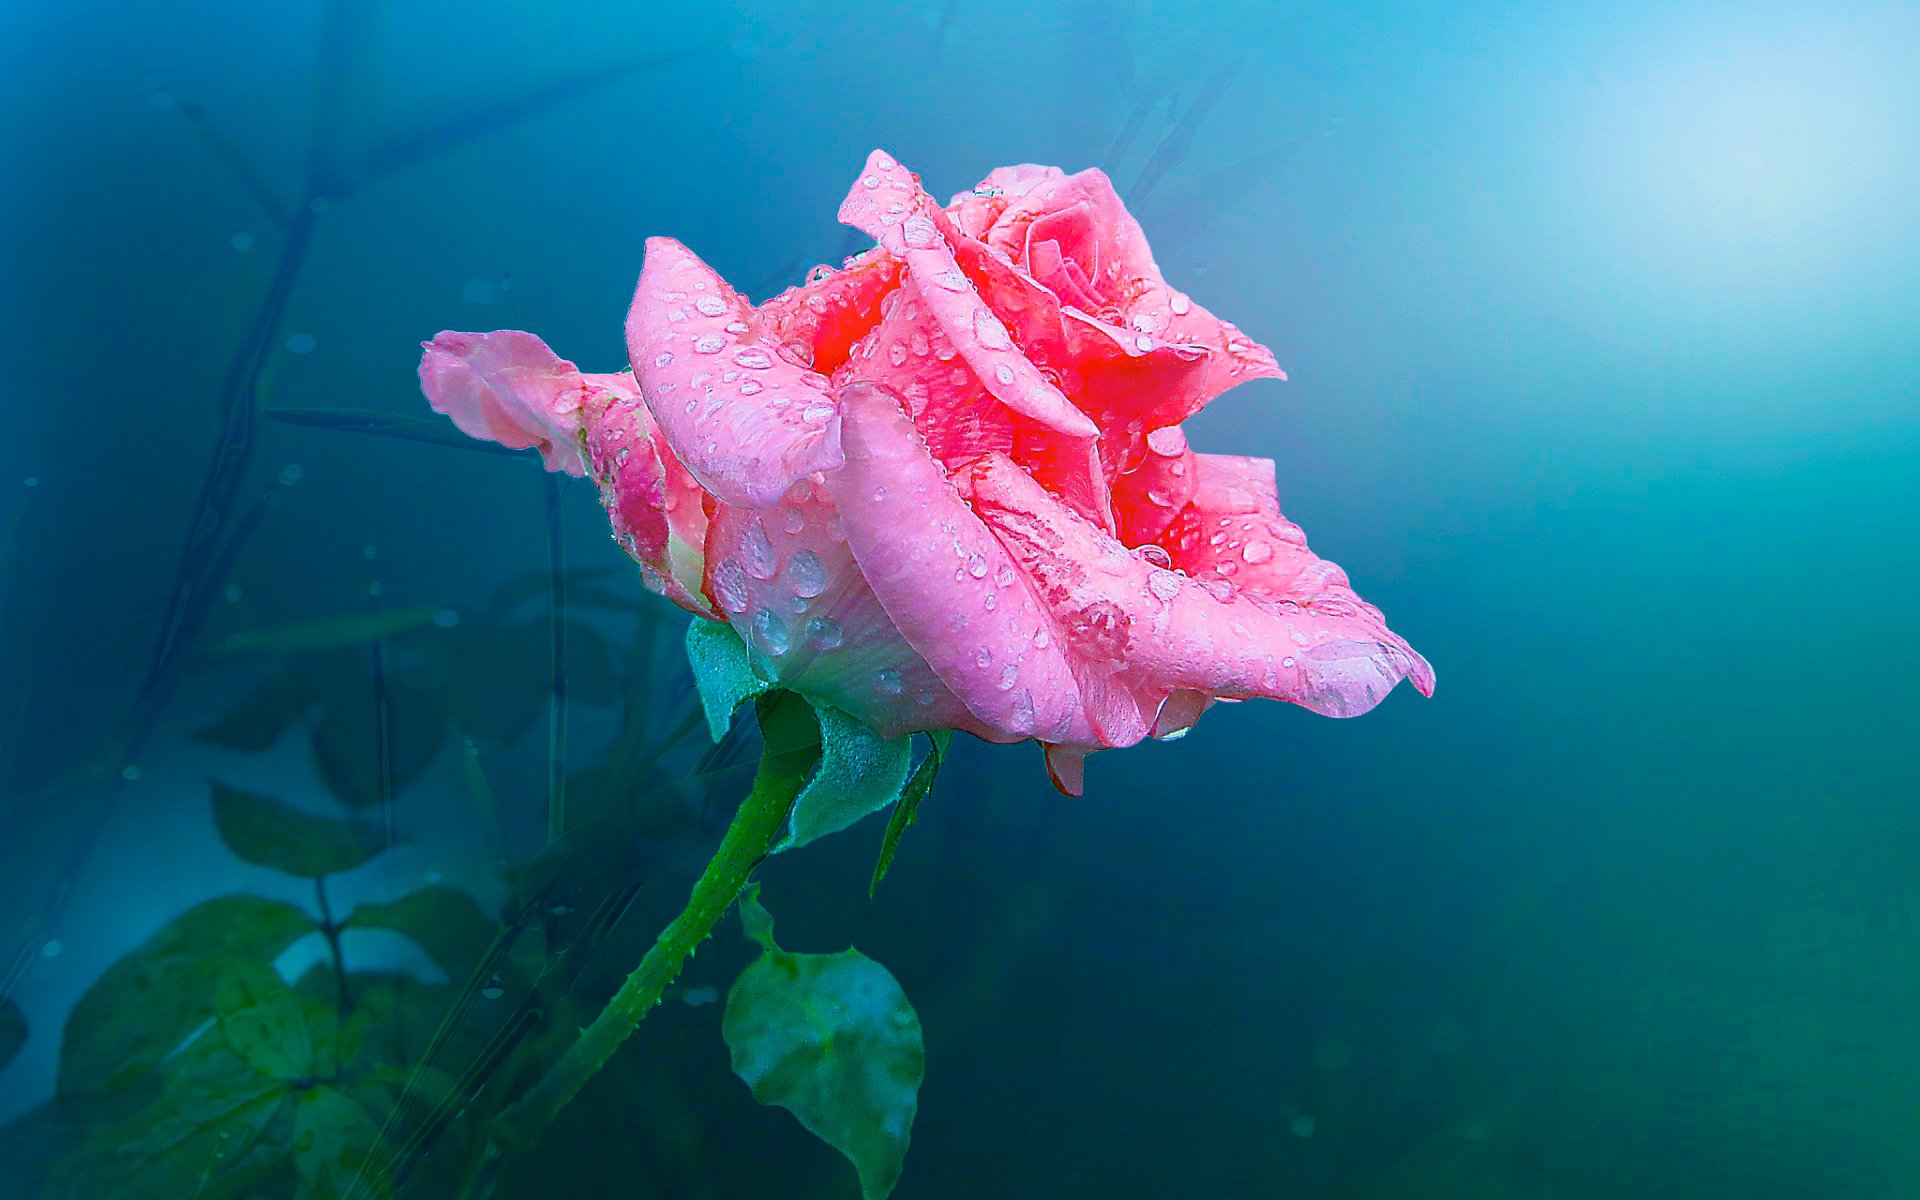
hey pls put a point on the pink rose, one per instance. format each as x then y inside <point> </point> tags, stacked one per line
<point>946,487</point>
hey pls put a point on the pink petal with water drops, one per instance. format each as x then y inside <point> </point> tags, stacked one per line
<point>508,387</point>
<point>887,203</point>
<point>1147,498</point>
<point>1335,651</point>
<point>946,583</point>
<point>911,354</point>
<point>821,320</point>
<point>657,511</point>
<point>1165,634</point>
<point>1074,234</point>
<point>745,418</point>
<point>786,581</point>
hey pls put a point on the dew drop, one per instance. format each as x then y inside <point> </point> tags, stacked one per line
<point>712,343</point>
<point>758,553</point>
<point>824,633</point>
<point>1257,552</point>
<point>771,632</point>
<point>807,574</point>
<point>888,682</point>
<point>730,586</point>
<point>711,306</point>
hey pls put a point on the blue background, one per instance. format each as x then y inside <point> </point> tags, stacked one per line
<point>1601,323</point>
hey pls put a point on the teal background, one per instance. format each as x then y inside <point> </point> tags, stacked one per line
<point>1601,323</point>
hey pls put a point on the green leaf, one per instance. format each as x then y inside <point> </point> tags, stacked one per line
<point>333,1142</point>
<point>907,811</point>
<point>262,1020</point>
<point>259,719</point>
<point>13,1031</point>
<point>444,921</point>
<point>832,1039</point>
<point>721,671</point>
<point>860,772</point>
<point>347,744</point>
<point>262,830</point>
<point>206,1135</point>
<point>329,632</point>
<point>141,1008</point>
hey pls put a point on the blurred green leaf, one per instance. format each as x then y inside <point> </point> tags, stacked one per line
<point>722,673</point>
<point>138,1011</point>
<point>907,811</point>
<point>262,1020</point>
<point>208,1134</point>
<point>444,921</point>
<point>499,677</point>
<point>860,772</point>
<point>328,633</point>
<point>583,586</point>
<point>13,1031</point>
<point>258,720</point>
<point>264,831</point>
<point>347,745</point>
<point>832,1039</point>
<point>333,1140</point>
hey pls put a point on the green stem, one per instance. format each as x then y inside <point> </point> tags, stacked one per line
<point>792,745</point>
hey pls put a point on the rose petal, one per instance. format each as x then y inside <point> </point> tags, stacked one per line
<point>820,321</point>
<point>745,419</point>
<point>1162,633</point>
<point>786,581</point>
<point>946,583</point>
<point>903,218</point>
<point>1147,498</point>
<point>657,511</point>
<point>1232,538</point>
<point>508,387</point>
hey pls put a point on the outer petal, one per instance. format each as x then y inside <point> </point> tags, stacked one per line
<point>746,419</point>
<point>1233,540</point>
<point>657,511</point>
<point>508,387</point>
<point>820,321</point>
<point>1173,635</point>
<point>946,583</point>
<point>785,579</point>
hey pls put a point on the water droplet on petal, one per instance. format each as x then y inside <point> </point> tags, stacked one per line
<point>770,631</point>
<point>1257,552</point>
<point>920,231</point>
<point>730,586</point>
<point>888,682</point>
<point>808,574</point>
<point>711,306</point>
<point>1167,441</point>
<point>758,552</point>
<point>712,343</point>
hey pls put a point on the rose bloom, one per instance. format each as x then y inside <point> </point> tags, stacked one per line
<point>946,486</point>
